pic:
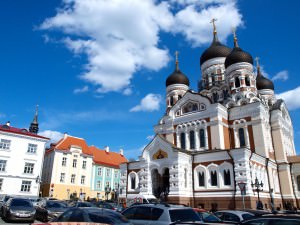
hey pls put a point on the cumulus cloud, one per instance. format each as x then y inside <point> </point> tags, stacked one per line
<point>290,98</point>
<point>54,136</point>
<point>121,37</point>
<point>282,75</point>
<point>81,90</point>
<point>149,103</point>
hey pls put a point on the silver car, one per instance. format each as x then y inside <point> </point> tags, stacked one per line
<point>233,216</point>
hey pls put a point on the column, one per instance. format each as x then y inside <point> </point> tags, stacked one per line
<point>206,138</point>
<point>197,139</point>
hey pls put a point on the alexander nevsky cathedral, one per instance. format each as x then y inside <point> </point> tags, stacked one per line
<point>228,145</point>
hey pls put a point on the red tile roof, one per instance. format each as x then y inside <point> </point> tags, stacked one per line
<point>67,141</point>
<point>21,131</point>
<point>112,159</point>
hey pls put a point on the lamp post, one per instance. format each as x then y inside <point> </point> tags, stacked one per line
<point>38,180</point>
<point>258,187</point>
<point>107,191</point>
<point>68,191</point>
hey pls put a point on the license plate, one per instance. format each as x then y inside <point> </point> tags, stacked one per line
<point>23,215</point>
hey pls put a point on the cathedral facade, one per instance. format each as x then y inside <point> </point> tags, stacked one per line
<point>228,145</point>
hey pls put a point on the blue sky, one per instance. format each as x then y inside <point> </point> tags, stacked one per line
<point>97,69</point>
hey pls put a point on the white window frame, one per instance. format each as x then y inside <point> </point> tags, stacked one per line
<point>32,148</point>
<point>99,171</point>
<point>99,184</point>
<point>116,173</point>
<point>84,164</point>
<point>28,168</point>
<point>3,165</point>
<point>5,144</point>
<point>62,177</point>
<point>25,186</point>
<point>82,180</point>
<point>74,163</point>
<point>64,161</point>
<point>108,172</point>
<point>1,183</point>
<point>73,177</point>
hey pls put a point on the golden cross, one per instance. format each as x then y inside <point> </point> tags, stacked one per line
<point>213,20</point>
<point>176,55</point>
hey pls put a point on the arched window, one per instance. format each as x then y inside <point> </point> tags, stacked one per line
<point>171,101</point>
<point>179,97</point>
<point>182,140</point>
<point>242,137</point>
<point>298,182</point>
<point>247,81</point>
<point>237,82</point>
<point>201,179</point>
<point>185,177</point>
<point>202,138</point>
<point>132,181</point>
<point>227,180</point>
<point>213,178</point>
<point>192,139</point>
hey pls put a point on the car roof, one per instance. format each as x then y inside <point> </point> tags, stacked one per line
<point>237,212</point>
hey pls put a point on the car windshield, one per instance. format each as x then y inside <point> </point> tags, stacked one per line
<point>19,202</point>
<point>247,216</point>
<point>56,205</point>
<point>207,217</point>
<point>183,215</point>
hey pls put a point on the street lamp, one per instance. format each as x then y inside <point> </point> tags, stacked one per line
<point>258,187</point>
<point>107,191</point>
<point>38,180</point>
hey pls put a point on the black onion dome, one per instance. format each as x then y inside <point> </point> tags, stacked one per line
<point>177,77</point>
<point>216,49</point>
<point>263,82</point>
<point>237,55</point>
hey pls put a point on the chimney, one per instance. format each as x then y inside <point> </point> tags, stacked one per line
<point>106,148</point>
<point>8,123</point>
<point>65,134</point>
<point>121,152</point>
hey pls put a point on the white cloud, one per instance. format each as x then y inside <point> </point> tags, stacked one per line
<point>291,98</point>
<point>149,103</point>
<point>81,90</point>
<point>54,136</point>
<point>127,91</point>
<point>282,75</point>
<point>122,37</point>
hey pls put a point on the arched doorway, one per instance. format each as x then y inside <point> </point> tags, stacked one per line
<point>165,184</point>
<point>160,184</point>
<point>156,183</point>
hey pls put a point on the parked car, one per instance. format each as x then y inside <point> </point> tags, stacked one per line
<point>160,214</point>
<point>81,204</point>
<point>273,220</point>
<point>18,209</point>
<point>50,209</point>
<point>104,205</point>
<point>233,216</point>
<point>208,217</point>
<point>92,214</point>
<point>3,202</point>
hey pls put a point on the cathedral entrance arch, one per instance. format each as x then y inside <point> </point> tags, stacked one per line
<point>160,183</point>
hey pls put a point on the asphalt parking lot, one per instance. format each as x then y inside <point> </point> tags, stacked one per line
<point>16,223</point>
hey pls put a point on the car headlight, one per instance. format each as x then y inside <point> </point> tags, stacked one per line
<point>12,211</point>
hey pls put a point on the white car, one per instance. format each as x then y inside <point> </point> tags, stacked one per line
<point>234,216</point>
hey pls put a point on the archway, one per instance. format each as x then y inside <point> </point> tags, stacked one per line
<point>156,183</point>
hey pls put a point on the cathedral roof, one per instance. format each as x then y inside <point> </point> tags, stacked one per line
<point>216,49</point>
<point>177,77</point>
<point>263,82</point>
<point>237,55</point>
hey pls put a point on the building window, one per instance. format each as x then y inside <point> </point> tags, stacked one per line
<point>247,81</point>
<point>82,181</point>
<point>3,165</point>
<point>182,140</point>
<point>5,144</point>
<point>227,180</point>
<point>107,172</point>
<point>98,184</point>
<point>202,138</point>
<point>171,101</point>
<point>242,137</point>
<point>185,177</point>
<point>132,177</point>
<point>1,183</point>
<point>192,139</point>
<point>201,179</point>
<point>99,171</point>
<point>64,161</point>
<point>116,186</point>
<point>25,187</point>
<point>73,178</point>
<point>215,97</point>
<point>29,168</point>
<point>74,163</point>
<point>237,82</point>
<point>298,182</point>
<point>116,173</point>
<point>84,164</point>
<point>62,177</point>
<point>32,148</point>
<point>213,178</point>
